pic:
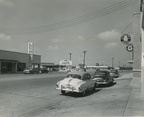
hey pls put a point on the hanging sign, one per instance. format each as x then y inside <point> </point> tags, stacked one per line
<point>129,48</point>
<point>125,38</point>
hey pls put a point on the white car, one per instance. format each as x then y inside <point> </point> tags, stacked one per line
<point>76,81</point>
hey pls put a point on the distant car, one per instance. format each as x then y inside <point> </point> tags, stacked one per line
<point>76,81</point>
<point>43,70</point>
<point>31,71</point>
<point>114,73</point>
<point>103,77</point>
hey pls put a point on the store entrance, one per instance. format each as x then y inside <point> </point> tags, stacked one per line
<point>6,67</point>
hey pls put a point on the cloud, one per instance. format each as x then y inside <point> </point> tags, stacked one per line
<point>4,37</point>
<point>6,3</point>
<point>110,45</point>
<point>80,38</point>
<point>53,47</point>
<point>57,40</point>
<point>110,35</point>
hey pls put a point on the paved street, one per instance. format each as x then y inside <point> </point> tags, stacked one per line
<point>35,96</point>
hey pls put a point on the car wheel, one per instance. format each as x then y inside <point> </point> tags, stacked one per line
<point>84,93</point>
<point>63,92</point>
<point>95,86</point>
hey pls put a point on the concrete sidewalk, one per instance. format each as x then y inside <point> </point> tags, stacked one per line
<point>135,105</point>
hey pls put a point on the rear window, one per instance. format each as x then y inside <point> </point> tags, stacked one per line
<point>73,76</point>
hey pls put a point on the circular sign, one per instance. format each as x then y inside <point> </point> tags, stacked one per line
<point>129,48</point>
<point>125,38</point>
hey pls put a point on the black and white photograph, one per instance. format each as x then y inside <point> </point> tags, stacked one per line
<point>71,58</point>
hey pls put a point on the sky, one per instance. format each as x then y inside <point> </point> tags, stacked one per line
<point>60,27</point>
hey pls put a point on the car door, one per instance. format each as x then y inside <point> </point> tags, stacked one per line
<point>109,77</point>
<point>85,79</point>
<point>89,83</point>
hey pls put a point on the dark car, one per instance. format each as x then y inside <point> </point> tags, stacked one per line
<point>103,77</point>
<point>43,70</point>
<point>31,71</point>
<point>114,73</point>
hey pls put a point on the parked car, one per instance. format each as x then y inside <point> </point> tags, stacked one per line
<point>43,70</point>
<point>77,81</point>
<point>114,73</point>
<point>31,71</point>
<point>103,77</point>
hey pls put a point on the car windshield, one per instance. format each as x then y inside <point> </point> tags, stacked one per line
<point>113,71</point>
<point>73,76</point>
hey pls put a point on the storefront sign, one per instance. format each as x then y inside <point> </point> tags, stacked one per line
<point>66,62</point>
<point>30,50</point>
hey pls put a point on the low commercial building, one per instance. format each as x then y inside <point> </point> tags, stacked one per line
<point>13,62</point>
<point>50,66</point>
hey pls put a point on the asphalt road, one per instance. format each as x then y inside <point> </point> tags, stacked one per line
<point>35,96</point>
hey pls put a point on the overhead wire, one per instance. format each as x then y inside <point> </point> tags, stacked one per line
<point>72,22</point>
<point>126,27</point>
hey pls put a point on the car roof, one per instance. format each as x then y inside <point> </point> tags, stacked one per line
<point>102,71</point>
<point>78,72</point>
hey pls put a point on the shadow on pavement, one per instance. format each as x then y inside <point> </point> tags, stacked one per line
<point>105,86</point>
<point>78,95</point>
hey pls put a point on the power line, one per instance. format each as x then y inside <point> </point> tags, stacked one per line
<point>71,22</point>
<point>127,26</point>
<point>76,20</point>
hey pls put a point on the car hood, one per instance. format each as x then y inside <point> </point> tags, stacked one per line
<point>112,73</point>
<point>98,78</point>
<point>71,81</point>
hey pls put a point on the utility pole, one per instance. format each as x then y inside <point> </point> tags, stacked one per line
<point>84,57</point>
<point>119,63</point>
<point>84,60</point>
<point>142,49</point>
<point>70,55</point>
<point>112,63</point>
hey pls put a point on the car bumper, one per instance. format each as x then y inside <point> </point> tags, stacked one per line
<point>26,72</point>
<point>69,90</point>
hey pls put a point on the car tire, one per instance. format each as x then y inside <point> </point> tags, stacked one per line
<point>95,86</point>
<point>63,92</point>
<point>83,93</point>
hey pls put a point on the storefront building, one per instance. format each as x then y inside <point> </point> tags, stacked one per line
<point>13,62</point>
